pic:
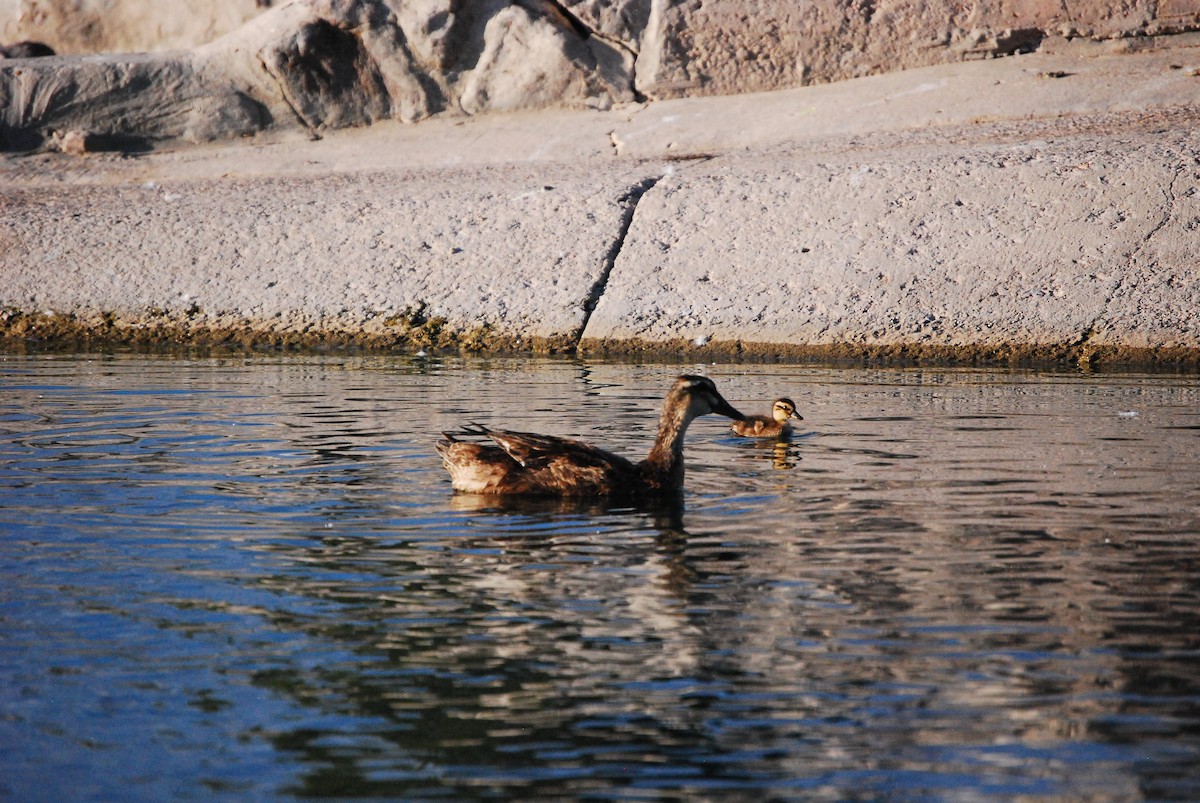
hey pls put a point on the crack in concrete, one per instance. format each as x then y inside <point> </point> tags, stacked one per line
<point>1168,213</point>
<point>1082,345</point>
<point>631,199</point>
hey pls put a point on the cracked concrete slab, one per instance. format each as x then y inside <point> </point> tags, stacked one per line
<point>599,287</point>
<point>1031,242</point>
<point>370,257</point>
<point>1061,225</point>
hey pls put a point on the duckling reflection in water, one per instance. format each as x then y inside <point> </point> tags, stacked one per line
<point>525,463</point>
<point>776,426</point>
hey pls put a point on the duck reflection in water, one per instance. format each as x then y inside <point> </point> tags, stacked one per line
<point>523,463</point>
<point>783,456</point>
<point>665,511</point>
<point>518,524</point>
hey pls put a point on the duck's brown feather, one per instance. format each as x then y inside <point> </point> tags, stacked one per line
<point>530,464</point>
<point>527,463</point>
<point>769,426</point>
<point>759,426</point>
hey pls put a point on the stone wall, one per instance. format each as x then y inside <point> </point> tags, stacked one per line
<point>81,27</point>
<point>693,48</point>
<point>682,47</point>
<point>1043,207</point>
<point>315,65</point>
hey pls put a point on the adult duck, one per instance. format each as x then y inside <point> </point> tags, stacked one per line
<point>545,465</point>
<point>777,425</point>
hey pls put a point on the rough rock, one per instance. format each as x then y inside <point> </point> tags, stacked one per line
<point>76,142</point>
<point>319,65</point>
<point>83,27</point>
<point>693,48</point>
<point>316,65</point>
<point>1041,207</point>
<point>128,102</point>
<point>535,62</point>
<point>26,50</point>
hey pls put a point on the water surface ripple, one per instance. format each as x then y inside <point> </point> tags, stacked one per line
<point>250,578</point>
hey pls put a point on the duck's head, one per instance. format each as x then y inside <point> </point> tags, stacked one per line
<point>701,397</point>
<point>783,409</point>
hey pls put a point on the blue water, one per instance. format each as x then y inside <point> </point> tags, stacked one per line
<point>249,577</point>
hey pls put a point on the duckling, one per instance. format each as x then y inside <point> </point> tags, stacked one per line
<point>777,426</point>
<point>525,463</point>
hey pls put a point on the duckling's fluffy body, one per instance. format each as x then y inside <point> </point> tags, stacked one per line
<point>776,425</point>
<point>545,465</point>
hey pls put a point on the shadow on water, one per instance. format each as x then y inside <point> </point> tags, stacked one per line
<point>254,579</point>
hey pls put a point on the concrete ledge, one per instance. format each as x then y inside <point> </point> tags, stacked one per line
<point>381,258</point>
<point>1081,240</point>
<point>896,223</point>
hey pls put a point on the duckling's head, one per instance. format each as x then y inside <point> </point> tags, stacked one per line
<point>783,409</point>
<point>701,397</point>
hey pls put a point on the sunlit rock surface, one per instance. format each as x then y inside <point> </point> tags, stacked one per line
<point>231,70</point>
<point>492,175</point>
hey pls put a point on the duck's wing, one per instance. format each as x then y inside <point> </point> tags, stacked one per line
<point>528,463</point>
<point>528,447</point>
<point>476,467</point>
<point>535,451</point>
<point>454,451</point>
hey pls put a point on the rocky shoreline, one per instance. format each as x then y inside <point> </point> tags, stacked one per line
<point>1042,208</point>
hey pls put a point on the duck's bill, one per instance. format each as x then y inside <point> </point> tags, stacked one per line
<point>726,409</point>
